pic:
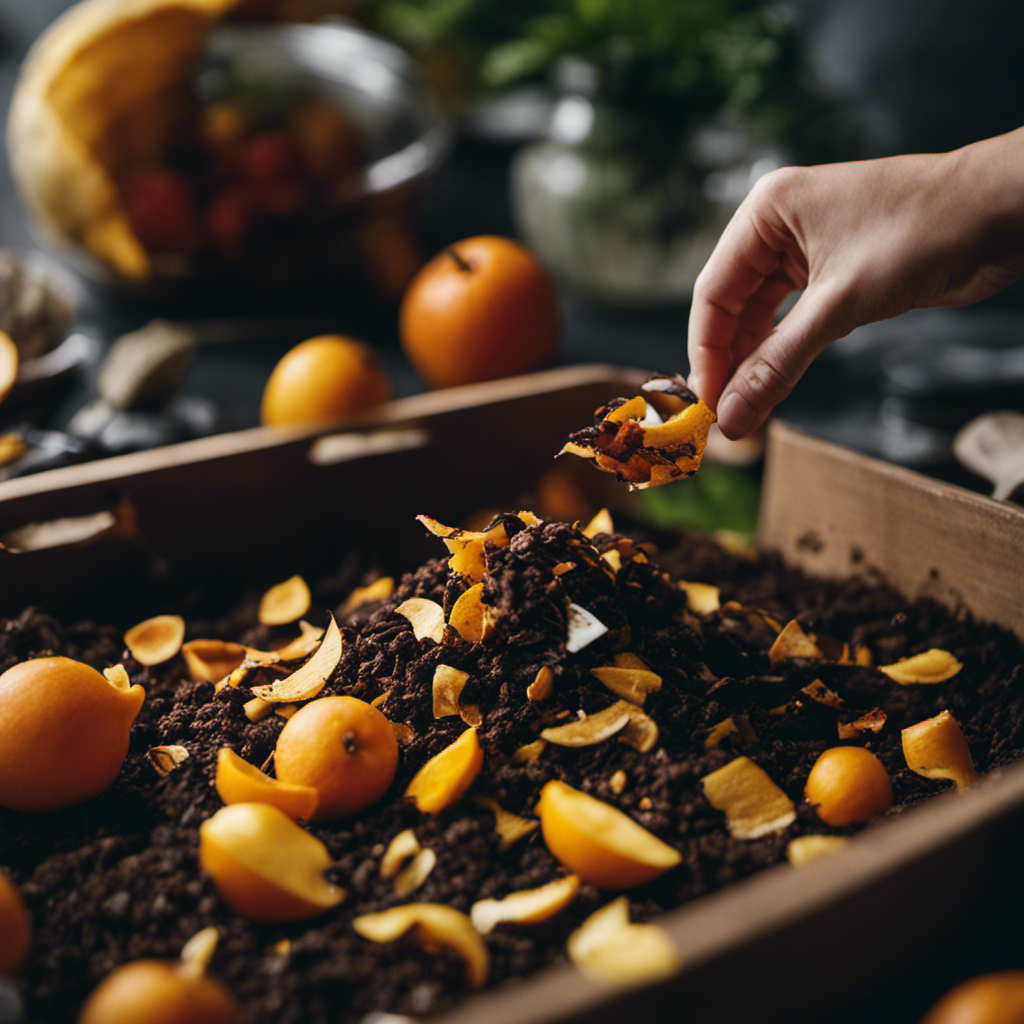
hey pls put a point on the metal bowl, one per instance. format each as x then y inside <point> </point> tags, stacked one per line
<point>405,132</point>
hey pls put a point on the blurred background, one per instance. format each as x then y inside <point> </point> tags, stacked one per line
<point>332,153</point>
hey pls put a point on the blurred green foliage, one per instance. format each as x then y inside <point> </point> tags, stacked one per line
<point>680,63</point>
<point>717,498</point>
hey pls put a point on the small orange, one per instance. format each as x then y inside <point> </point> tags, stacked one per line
<point>344,748</point>
<point>323,379</point>
<point>160,992</point>
<point>848,785</point>
<point>47,759</point>
<point>990,999</point>
<point>483,308</point>
<point>15,931</point>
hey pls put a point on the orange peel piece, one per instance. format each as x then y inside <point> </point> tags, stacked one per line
<point>526,906</point>
<point>447,775</point>
<point>302,646</point>
<point>628,677</point>
<point>630,439</point>
<point>542,685</point>
<point>156,640</point>
<point>937,749</point>
<point>466,548</point>
<point>793,642</point>
<point>804,849</point>
<point>702,598</point>
<point>931,666</point>
<point>379,590</point>
<point>510,827</point>
<point>448,685</point>
<point>311,677</point>
<point>589,730</point>
<point>753,805</point>
<point>264,866</point>
<point>470,617</point>
<point>610,950</point>
<point>425,616</point>
<point>432,924</point>
<point>285,602</point>
<point>210,660</point>
<point>598,842</point>
<point>239,782</point>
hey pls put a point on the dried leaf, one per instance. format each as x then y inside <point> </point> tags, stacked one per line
<point>308,680</point>
<point>285,602</point>
<point>821,694</point>
<point>932,666</point>
<point>873,721</point>
<point>753,805</point>
<point>156,640</point>
<point>527,906</point>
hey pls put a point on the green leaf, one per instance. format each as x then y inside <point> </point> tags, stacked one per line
<point>718,497</point>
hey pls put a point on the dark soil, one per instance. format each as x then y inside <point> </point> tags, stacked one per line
<point>118,878</point>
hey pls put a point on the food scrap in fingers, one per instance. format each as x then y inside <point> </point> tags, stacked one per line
<point>646,444</point>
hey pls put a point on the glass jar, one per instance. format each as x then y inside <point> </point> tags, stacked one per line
<point>620,210</point>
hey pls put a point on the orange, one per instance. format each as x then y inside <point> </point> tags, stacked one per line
<point>159,992</point>
<point>482,309</point>
<point>342,747</point>
<point>15,931</point>
<point>848,785</point>
<point>47,759</point>
<point>323,379</point>
<point>990,999</point>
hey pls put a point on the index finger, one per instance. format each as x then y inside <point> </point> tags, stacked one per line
<point>739,265</point>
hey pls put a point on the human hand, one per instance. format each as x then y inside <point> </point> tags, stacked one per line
<point>864,241</point>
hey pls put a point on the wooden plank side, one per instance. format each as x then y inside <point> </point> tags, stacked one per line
<point>832,511</point>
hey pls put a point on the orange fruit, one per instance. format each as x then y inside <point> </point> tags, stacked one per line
<point>343,748</point>
<point>15,931</point>
<point>323,379</point>
<point>990,999</point>
<point>47,759</point>
<point>481,309</point>
<point>160,992</point>
<point>598,842</point>
<point>848,785</point>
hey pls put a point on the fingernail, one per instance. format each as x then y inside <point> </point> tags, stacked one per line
<point>736,416</point>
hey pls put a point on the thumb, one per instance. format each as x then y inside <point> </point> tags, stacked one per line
<point>770,372</point>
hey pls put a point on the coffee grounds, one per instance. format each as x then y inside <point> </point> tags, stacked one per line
<point>118,878</point>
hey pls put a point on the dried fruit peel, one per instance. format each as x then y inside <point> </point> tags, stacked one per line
<point>931,666</point>
<point>309,679</point>
<point>526,906</point>
<point>624,441</point>
<point>447,775</point>
<point>753,805</point>
<point>937,749</point>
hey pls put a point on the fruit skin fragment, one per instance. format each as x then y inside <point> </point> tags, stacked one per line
<point>608,949</point>
<point>264,866</point>
<point>238,782</point>
<point>211,660</point>
<point>527,906</point>
<point>426,618</point>
<point>286,602</point>
<point>310,678</point>
<point>156,640</point>
<point>793,642</point>
<point>447,686</point>
<point>931,666</point>
<point>807,848</point>
<point>583,628</point>
<point>510,827</point>
<point>432,924</point>
<point>470,617</point>
<point>936,748</point>
<point>628,677</point>
<point>590,730</point>
<point>598,842</point>
<point>753,805</point>
<point>447,775</point>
